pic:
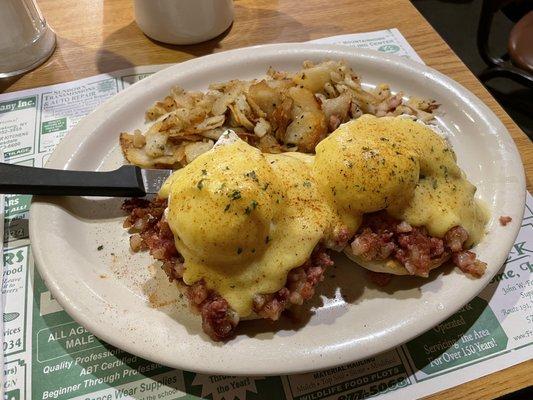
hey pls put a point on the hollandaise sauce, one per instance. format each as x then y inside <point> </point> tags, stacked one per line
<point>243,219</point>
<point>402,166</point>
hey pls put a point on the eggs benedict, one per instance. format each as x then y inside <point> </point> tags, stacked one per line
<point>248,234</point>
<point>397,183</point>
<point>251,231</point>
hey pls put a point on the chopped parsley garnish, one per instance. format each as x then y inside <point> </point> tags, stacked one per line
<point>200,184</point>
<point>307,184</point>
<point>266,185</point>
<point>204,172</point>
<point>235,195</point>
<point>252,175</point>
<point>227,207</point>
<point>100,248</point>
<point>253,205</point>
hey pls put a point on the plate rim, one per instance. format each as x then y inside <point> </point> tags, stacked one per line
<point>78,135</point>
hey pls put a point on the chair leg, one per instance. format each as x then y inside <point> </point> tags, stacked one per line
<point>506,72</point>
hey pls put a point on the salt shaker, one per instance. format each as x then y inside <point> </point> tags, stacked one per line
<point>26,40</point>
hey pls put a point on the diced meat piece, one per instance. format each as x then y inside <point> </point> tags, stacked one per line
<point>417,249</point>
<point>274,304</point>
<point>152,232</point>
<point>455,238</point>
<point>341,238</point>
<point>468,263</point>
<point>197,293</point>
<point>381,237</point>
<point>504,220</point>
<point>174,269</point>
<point>161,242</point>
<point>130,204</point>
<point>218,320</point>
<point>403,227</point>
<point>300,286</point>
<point>373,246</point>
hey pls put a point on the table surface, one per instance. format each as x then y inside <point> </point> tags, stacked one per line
<point>96,36</point>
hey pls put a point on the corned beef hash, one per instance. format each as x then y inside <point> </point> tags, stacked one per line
<point>250,233</point>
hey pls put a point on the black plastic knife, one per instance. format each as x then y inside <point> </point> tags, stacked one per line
<point>127,181</point>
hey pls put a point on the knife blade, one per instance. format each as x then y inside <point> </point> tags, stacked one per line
<point>153,179</point>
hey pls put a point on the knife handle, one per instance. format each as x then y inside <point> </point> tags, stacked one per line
<point>123,182</point>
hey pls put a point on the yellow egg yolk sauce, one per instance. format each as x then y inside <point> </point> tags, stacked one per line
<point>242,219</point>
<point>397,164</point>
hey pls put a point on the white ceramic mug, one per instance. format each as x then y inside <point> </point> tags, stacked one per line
<point>183,21</point>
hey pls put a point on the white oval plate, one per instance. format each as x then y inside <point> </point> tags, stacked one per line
<point>112,292</point>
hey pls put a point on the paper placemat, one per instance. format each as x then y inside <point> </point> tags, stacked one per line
<point>49,356</point>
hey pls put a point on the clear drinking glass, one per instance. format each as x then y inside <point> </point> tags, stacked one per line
<point>25,38</point>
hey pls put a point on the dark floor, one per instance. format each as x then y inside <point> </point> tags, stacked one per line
<point>457,22</point>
